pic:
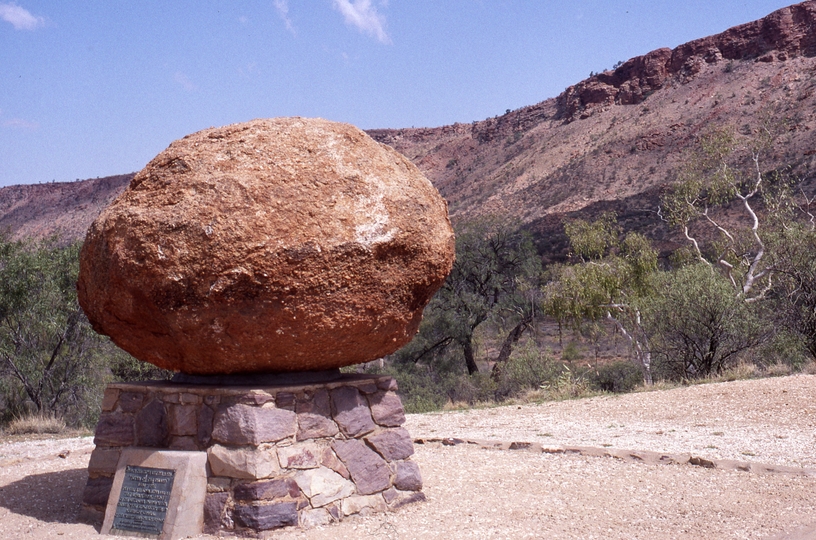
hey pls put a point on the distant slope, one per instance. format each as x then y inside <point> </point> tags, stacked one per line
<point>63,208</point>
<point>610,142</point>
<point>613,140</point>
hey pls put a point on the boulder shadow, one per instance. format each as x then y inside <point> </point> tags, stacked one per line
<point>53,497</point>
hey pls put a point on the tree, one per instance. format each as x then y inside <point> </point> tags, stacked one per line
<point>763,251</point>
<point>495,278</point>
<point>609,281</point>
<point>794,300</point>
<point>49,355</point>
<point>698,326</point>
<point>723,170</point>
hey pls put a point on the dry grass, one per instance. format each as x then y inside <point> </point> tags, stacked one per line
<point>38,423</point>
<point>568,386</point>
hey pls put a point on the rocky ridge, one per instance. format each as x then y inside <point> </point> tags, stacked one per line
<point>65,209</point>
<point>782,35</point>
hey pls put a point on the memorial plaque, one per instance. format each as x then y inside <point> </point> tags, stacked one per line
<point>143,501</point>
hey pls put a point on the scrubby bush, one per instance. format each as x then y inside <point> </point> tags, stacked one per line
<point>699,326</point>
<point>617,377</point>
<point>52,363</point>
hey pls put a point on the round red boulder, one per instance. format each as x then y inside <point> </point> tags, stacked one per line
<point>270,246</point>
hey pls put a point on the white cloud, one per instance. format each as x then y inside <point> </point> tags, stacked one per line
<point>364,16</point>
<point>282,6</point>
<point>184,81</point>
<point>19,17</point>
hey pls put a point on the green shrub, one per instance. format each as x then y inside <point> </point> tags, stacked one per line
<point>526,370</point>
<point>571,352</point>
<point>618,377</point>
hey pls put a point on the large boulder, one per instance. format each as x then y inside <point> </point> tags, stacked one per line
<point>270,246</point>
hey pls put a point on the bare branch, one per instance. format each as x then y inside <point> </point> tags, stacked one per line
<point>695,244</point>
<point>717,225</point>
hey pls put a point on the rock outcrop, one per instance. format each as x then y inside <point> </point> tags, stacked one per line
<point>785,33</point>
<point>270,246</point>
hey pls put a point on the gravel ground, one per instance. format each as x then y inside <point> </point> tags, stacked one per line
<point>477,493</point>
<point>766,420</point>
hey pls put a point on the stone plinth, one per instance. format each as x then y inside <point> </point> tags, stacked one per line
<point>277,455</point>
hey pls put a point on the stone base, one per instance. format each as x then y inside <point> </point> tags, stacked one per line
<point>278,455</point>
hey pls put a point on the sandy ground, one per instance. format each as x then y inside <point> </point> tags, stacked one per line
<point>479,493</point>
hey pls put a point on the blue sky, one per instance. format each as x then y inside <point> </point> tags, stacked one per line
<point>99,87</point>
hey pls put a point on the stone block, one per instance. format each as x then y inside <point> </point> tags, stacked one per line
<point>248,463</point>
<point>205,425</point>
<point>408,477</point>
<point>189,399</point>
<point>214,506</point>
<point>277,488</point>
<point>329,459</point>
<point>183,443</point>
<point>103,461</point>
<point>392,444</point>
<point>97,491</point>
<point>367,388</point>
<point>171,398</point>
<point>131,402</point>
<point>263,518</point>
<point>109,399</point>
<point>363,504</point>
<point>255,397</point>
<point>387,385</point>
<point>323,486</point>
<point>314,417</point>
<point>285,400</point>
<point>183,419</point>
<point>300,456</point>
<point>335,511</point>
<point>351,412</point>
<point>241,424</point>
<point>314,517</point>
<point>390,495</point>
<point>114,429</point>
<point>217,484</point>
<point>386,409</point>
<point>151,425</point>
<point>368,470</point>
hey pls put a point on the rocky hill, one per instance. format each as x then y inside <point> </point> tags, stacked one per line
<point>610,142</point>
<point>59,208</point>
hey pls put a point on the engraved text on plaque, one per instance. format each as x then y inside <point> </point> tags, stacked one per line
<point>143,501</point>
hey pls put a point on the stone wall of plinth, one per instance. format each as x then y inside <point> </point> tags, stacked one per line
<point>282,455</point>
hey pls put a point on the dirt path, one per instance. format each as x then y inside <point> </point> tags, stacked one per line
<point>477,493</point>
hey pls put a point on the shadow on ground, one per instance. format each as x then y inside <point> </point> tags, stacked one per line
<point>53,497</point>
